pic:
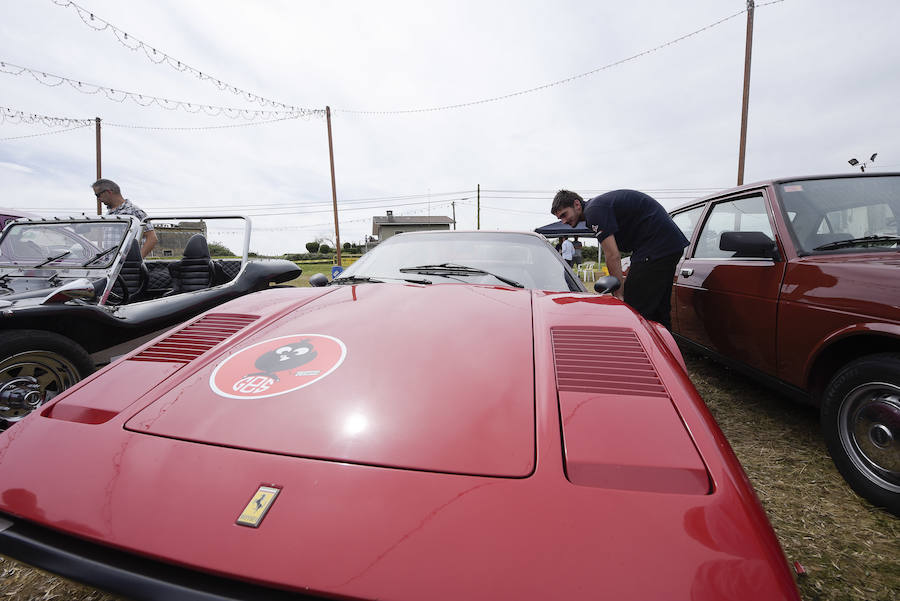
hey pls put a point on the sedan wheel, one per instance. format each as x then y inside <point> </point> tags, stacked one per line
<point>861,421</point>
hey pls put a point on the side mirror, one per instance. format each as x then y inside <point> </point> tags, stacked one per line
<point>81,288</point>
<point>749,245</point>
<point>317,280</point>
<point>606,284</point>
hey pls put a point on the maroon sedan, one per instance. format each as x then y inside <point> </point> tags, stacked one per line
<point>453,417</point>
<point>797,282</point>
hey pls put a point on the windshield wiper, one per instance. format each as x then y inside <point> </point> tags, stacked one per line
<point>99,255</point>
<point>454,269</point>
<point>51,259</point>
<point>863,241</point>
<point>357,279</point>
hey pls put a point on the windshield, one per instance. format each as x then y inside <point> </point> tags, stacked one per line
<point>443,258</point>
<point>61,244</point>
<point>843,214</point>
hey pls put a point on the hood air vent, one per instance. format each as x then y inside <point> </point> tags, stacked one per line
<point>603,361</point>
<point>190,342</point>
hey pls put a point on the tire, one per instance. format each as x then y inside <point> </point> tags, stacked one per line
<point>861,424</point>
<point>55,361</point>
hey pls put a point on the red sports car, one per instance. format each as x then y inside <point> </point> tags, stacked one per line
<point>453,417</point>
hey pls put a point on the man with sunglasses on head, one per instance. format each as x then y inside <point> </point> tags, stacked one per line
<point>631,221</point>
<point>108,192</point>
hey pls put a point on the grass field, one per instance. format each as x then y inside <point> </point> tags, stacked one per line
<point>848,547</point>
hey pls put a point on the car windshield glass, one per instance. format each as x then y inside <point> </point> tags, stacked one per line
<point>59,245</point>
<point>516,258</point>
<point>849,214</point>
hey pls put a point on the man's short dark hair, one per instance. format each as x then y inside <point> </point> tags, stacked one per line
<point>106,184</point>
<point>564,199</point>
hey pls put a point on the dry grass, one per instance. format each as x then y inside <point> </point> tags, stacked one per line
<point>20,582</point>
<point>848,547</point>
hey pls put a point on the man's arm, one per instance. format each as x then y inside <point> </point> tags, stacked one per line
<point>613,263</point>
<point>150,241</point>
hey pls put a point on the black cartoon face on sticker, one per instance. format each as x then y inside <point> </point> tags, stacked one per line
<point>283,358</point>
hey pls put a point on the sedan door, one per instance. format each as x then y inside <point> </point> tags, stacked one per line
<point>727,302</point>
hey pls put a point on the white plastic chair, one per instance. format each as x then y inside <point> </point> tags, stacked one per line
<point>586,271</point>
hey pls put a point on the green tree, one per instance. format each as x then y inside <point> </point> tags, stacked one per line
<point>312,247</point>
<point>324,249</point>
<point>217,249</point>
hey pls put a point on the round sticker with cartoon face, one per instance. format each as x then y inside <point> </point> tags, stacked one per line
<point>277,366</point>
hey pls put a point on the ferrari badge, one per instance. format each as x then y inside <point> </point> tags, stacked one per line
<point>258,506</point>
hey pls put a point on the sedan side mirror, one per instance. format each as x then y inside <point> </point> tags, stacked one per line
<point>606,284</point>
<point>749,245</point>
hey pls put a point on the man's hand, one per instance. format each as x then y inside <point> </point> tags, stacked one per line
<point>614,263</point>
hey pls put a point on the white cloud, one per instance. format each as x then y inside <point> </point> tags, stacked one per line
<point>15,167</point>
<point>822,90</point>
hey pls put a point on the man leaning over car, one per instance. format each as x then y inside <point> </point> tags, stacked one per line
<point>628,220</point>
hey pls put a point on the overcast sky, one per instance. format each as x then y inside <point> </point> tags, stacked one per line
<point>824,88</point>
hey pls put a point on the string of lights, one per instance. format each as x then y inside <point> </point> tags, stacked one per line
<point>145,100</point>
<point>8,115</point>
<point>558,82</point>
<point>198,127</point>
<point>46,133</point>
<point>158,57</point>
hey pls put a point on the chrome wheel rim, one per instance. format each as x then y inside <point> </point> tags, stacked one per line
<point>52,372</point>
<point>869,429</point>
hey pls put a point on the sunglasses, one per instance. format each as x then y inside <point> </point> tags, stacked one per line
<point>100,193</point>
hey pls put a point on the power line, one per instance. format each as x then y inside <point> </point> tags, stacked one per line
<point>158,57</point>
<point>51,80</point>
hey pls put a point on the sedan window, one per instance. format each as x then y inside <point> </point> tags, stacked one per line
<point>742,215</point>
<point>687,220</point>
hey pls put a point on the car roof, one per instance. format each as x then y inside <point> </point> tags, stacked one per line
<point>775,181</point>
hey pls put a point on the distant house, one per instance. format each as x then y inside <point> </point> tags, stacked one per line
<point>383,227</point>
<point>174,237</point>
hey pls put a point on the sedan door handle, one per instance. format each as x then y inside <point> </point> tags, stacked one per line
<point>687,272</point>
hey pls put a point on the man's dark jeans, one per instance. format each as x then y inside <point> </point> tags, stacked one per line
<point>648,288</point>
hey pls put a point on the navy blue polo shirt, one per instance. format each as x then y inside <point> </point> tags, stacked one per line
<point>640,224</point>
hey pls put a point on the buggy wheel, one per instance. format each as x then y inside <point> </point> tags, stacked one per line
<point>49,361</point>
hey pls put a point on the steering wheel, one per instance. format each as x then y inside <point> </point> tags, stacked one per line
<point>116,298</point>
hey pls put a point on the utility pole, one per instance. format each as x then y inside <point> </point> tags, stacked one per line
<point>746,101</point>
<point>337,233</point>
<point>478,204</point>
<point>453,204</point>
<point>99,171</point>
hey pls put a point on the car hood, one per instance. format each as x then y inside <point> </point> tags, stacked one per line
<point>343,379</point>
<point>401,452</point>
